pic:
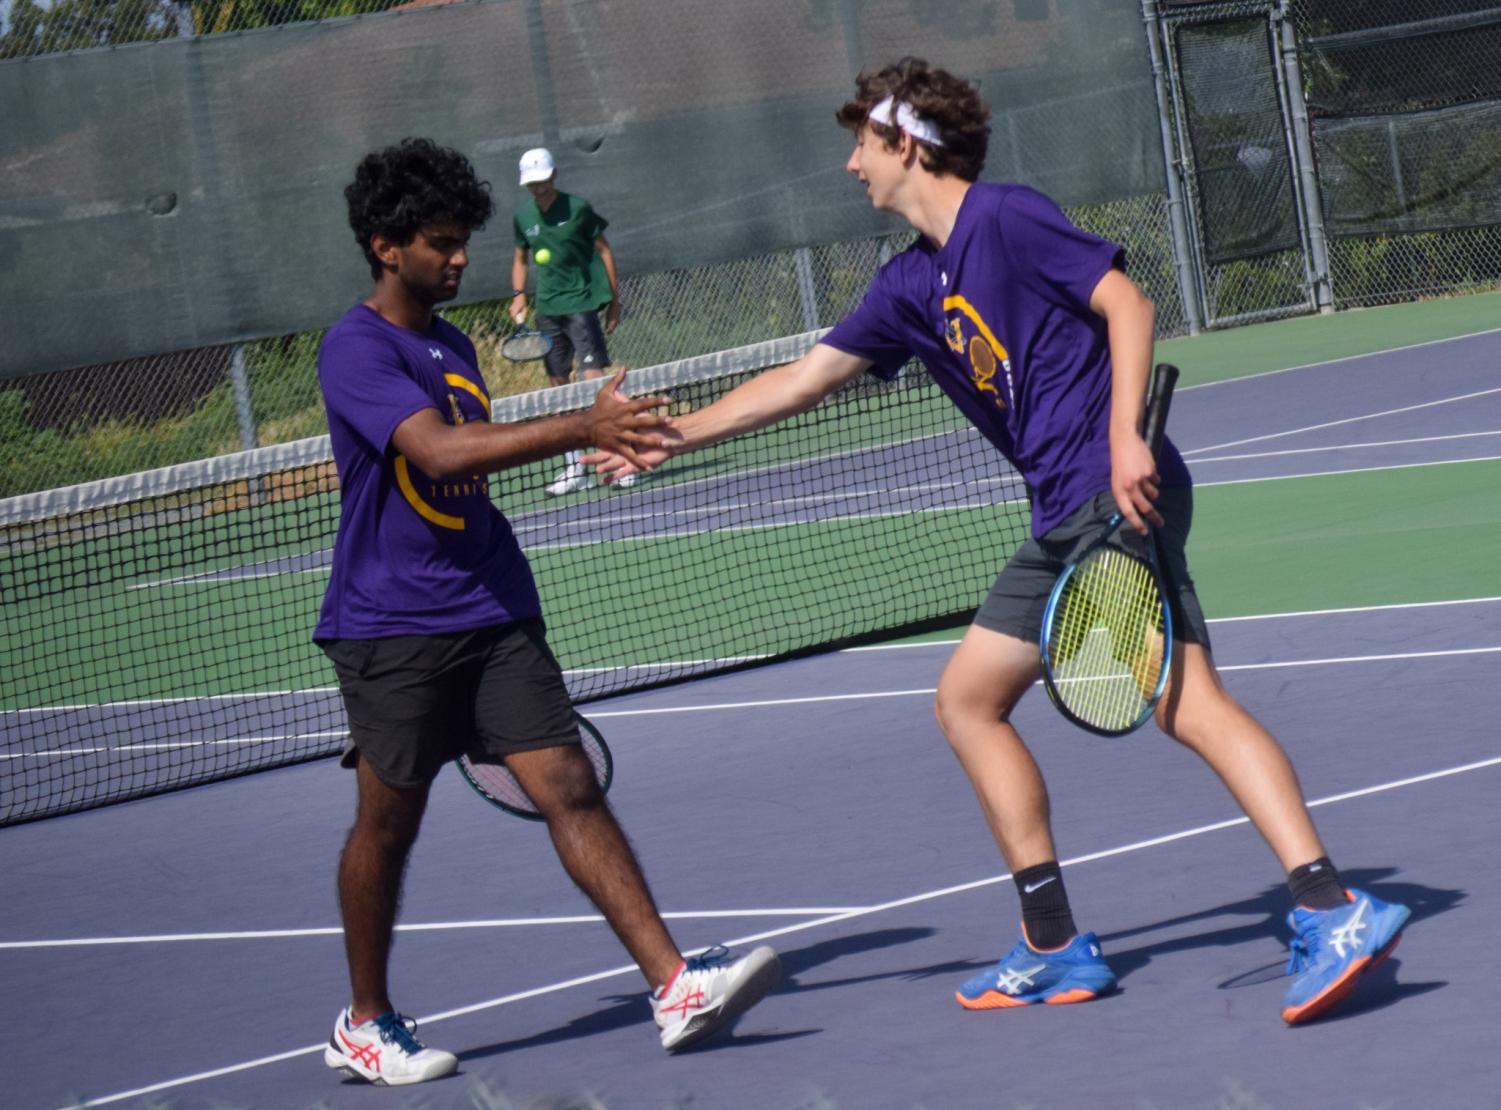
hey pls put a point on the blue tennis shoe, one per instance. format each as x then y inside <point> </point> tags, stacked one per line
<point>1332,949</point>
<point>1076,972</point>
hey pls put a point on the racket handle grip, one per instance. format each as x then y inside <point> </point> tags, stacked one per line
<point>1159,399</point>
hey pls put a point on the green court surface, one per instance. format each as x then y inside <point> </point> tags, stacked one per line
<point>1414,534</point>
<point>1421,533</point>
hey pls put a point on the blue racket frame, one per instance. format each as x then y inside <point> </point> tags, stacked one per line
<point>1167,631</point>
<point>1159,399</point>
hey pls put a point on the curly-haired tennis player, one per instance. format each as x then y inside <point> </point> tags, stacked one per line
<point>433,622</point>
<point>1033,329</point>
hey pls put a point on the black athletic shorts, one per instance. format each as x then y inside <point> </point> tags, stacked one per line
<point>416,702</point>
<point>1016,602</point>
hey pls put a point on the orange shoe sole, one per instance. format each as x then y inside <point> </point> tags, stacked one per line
<point>1337,991</point>
<point>995,1000</point>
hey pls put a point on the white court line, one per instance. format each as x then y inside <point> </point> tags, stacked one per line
<point>831,919</point>
<point>176,745</point>
<point>1359,609</point>
<point>1345,420</point>
<point>81,706</point>
<point>1222,668</point>
<point>1255,374</point>
<point>1341,473</point>
<point>928,691</point>
<point>711,662</point>
<point>422,927</point>
<point>1227,620</point>
<point>1343,447</point>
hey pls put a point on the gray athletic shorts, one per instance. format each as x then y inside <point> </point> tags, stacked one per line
<point>1016,602</point>
<point>578,335</point>
<point>416,702</point>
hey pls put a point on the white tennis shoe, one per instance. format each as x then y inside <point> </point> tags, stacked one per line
<point>573,478</point>
<point>710,991</point>
<point>385,1051</point>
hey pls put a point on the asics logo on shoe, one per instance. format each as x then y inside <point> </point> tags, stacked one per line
<point>1012,981</point>
<point>366,1054</point>
<point>691,1000</point>
<point>1032,888</point>
<point>1348,934</point>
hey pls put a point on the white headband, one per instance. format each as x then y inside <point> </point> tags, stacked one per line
<point>894,113</point>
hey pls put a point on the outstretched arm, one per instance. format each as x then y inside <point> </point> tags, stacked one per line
<point>1129,316</point>
<point>767,398</point>
<point>621,425</point>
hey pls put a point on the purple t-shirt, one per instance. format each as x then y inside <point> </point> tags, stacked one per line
<point>414,555</point>
<point>1000,316</point>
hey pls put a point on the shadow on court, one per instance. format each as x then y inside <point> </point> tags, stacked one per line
<point>626,1010</point>
<point>1269,908</point>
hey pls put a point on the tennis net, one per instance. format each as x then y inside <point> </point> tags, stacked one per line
<point>156,627</point>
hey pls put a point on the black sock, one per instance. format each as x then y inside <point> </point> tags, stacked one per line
<point>1317,886</point>
<point>1046,918</point>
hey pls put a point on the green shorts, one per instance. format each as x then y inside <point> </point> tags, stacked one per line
<point>1016,602</point>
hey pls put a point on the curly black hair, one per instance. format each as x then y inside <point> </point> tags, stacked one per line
<point>952,104</point>
<point>398,191</point>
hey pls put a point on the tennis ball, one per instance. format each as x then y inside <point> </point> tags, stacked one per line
<point>544,256</point>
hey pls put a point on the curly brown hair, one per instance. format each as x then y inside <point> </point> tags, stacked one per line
<point>398,190</point>
<point>952,104</point>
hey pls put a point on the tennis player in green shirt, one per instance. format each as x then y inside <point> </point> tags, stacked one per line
<point>575,278</point>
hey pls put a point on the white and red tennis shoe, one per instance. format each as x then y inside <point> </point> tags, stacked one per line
<point>385,1051</point>
<point>710,991</point>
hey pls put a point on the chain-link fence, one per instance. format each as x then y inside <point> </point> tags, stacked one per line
<point>29,29</point>
<point>1404,97</point>
<point>1332,154</point>
<point>1401,101</point>
<point>96,422</point>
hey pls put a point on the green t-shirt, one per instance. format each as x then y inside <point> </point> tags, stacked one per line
<point>573,279</point>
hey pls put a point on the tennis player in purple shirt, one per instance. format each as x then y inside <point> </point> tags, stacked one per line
<point>433,623</point>
<point>1034,330</point>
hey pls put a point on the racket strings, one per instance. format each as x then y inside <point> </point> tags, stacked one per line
<point>496,782</point>
<point>524,346</point>
<point>1106,649</point>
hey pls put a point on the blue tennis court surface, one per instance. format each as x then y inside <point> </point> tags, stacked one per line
<point>184,950</point>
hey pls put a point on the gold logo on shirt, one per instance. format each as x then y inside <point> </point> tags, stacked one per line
<point>985,350</point>
<point>982,367</point>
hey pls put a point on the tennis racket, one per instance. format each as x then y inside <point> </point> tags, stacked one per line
<point>525,345</point>
<point>494,783</point>
<point>1107,631</point>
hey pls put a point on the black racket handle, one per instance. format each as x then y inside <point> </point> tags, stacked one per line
<point>1159,399</point>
